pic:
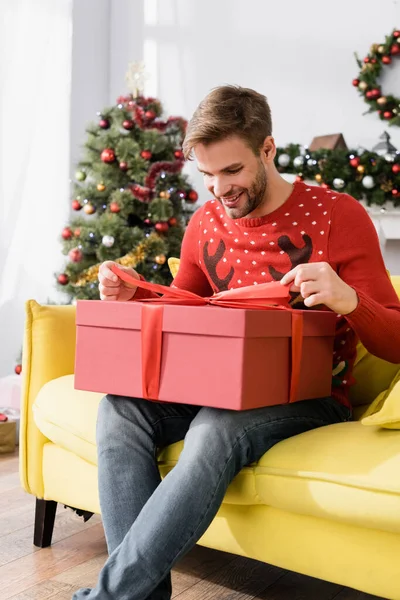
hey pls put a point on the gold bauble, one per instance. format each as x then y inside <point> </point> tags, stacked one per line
<point>101,187</point>
<point>374,48</point>
<point>318,178</point>
<point>382,100</point>
<point>361,168</point>
<point>89,209</point>
<point>381,49</point>
<point>160,259</point>
<point>363,85</point>
<point>164,195</point>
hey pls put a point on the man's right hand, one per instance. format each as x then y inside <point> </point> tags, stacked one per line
<point>111,286</point>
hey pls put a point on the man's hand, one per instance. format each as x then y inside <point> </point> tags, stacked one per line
<point>319,284</point>
<point>111,286</point>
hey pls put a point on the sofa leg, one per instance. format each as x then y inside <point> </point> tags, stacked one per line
<point>45,515</point>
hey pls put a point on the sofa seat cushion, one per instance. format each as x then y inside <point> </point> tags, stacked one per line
<point>344,472</point>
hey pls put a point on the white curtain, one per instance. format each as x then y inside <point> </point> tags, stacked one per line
<point>35,82</point>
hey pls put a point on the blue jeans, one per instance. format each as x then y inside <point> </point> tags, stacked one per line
<point>150,524</point>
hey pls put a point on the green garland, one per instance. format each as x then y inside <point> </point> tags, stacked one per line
<point>366,176</point>
<point>380,55</point>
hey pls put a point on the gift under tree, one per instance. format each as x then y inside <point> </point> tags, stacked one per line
<point>129,186</point>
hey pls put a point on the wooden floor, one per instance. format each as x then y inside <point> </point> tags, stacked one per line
<point>79,551</point>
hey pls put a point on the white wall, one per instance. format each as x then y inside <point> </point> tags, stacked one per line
<point>299,54</point>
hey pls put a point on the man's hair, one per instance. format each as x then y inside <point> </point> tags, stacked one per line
<point>226,111</point>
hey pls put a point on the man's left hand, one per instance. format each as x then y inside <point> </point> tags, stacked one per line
<point>319,284</point>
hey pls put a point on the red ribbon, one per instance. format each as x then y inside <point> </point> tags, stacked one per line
<point>266,296</point>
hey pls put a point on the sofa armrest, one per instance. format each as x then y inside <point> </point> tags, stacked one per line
<point>48,353</point>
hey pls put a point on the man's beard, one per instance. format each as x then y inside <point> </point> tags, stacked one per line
<point>253,196</point>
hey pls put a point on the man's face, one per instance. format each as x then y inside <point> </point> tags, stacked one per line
<point>234,175</point>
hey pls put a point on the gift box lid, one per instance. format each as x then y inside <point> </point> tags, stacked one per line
<point>205,320</point>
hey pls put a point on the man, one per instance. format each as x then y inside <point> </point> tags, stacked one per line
<point>257,228</point>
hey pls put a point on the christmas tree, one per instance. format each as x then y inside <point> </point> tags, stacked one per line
<point>130,187</point>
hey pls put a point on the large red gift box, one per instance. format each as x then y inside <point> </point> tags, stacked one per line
<point>227,356</point>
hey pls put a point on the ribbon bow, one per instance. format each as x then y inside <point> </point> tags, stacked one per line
<point>265,296</point>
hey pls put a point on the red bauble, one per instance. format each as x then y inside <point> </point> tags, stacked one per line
<point>366,59</point>
<point>395,49</point>
<point>386,59</point>
<point>173,221</point>
<point>355,82</point>
<point>108,155</point>
<point>128,124</point>
<point>18,369</point>
<point>123,166</point>
<point>396,34</point>
<point>355,161</point>
<point>77,232</point>
<point>146,154</point>
<point>369,95</point>
<point>387,114</point>
<point>192,196</point>
<point>396,168</point>
<point>375,93</point>
<point>76,205</point>
<point>178,154</point>
<point>162,227</point>
<point>182,194</point>
<point>150,114</point>
<point>75,255</point>
<point>63,279</point>
<point>374,61</point>
<point>104,123</point>
<point>147,222</point>
<point>395,192</point>
<point>66,233</point>
<point>114,207</point>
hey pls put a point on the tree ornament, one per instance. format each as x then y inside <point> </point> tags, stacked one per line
<point>356,82</point>
<point>355,161</point>
<point>318,177</point>
<point>338,183</point>
<point>150,115</point>
<point>146,154</point>
<point>104,123</point>
<point>361,168</point>
<point>160,259</point>
<point>395,192</point>
<point>395,49</point>
<point>178,154</point>
<point>396,168</point>
<point>147,222</point>
<point>108,241</point>
<point>123,165</point>
<point>89,209</point>
<point>388,114</point>
<point>80,175</point>
<point>164,194</point>
<point>128,124</point>
<point>66,233</point>
<point>162,227</point>
<point>363,85</point>
<point>382,101</point>
<point>18,369</point>
<point>75,255</point>
<point>108,155</point>
<point>114,207</point>
<point>192,196</point>
<point>173,221</point>
<point>76,205</point>
<point>386,60</point>
<point>298,161</point>
<point>368,182</point>
<point>284,160</point>
<point>101,187</point>
<point>63,279</point>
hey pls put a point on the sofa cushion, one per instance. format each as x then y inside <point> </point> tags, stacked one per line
<point>344,472</point>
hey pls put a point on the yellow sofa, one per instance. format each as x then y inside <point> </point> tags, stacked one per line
<point>325,503</point>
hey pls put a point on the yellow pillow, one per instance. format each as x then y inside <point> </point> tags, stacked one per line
<point>173,264</point>
<point>385,410</point>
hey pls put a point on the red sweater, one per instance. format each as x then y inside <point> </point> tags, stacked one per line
<point>313,225</point>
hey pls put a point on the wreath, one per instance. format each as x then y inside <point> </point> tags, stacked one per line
<point>380,55</point>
